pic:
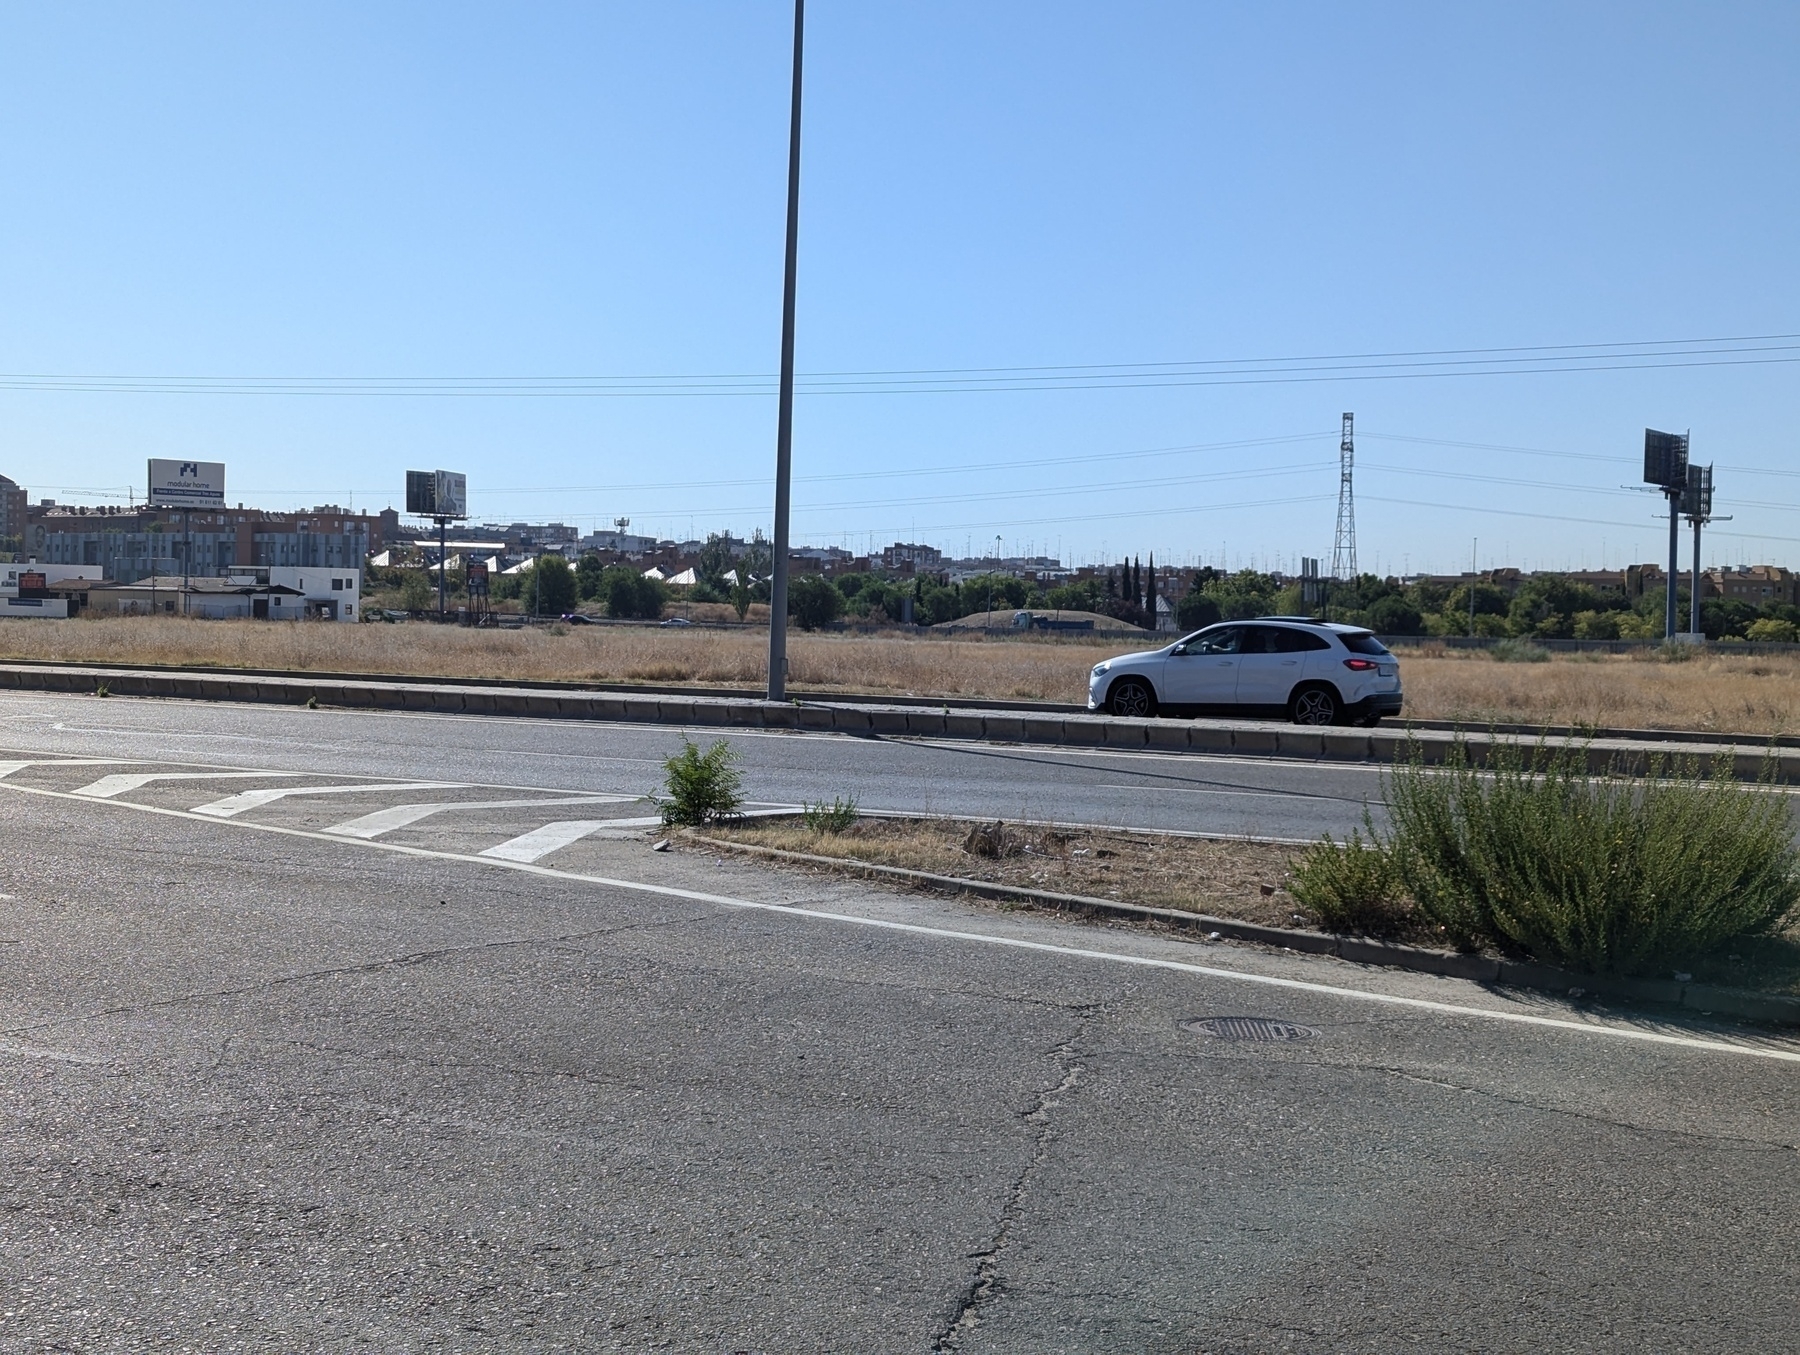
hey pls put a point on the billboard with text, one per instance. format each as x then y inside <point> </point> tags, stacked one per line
<point>187,484</point>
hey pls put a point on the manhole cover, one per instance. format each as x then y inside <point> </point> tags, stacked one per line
<point>1259,1028</point>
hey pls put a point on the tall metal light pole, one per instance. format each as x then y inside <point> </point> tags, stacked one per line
<point>784,427</point>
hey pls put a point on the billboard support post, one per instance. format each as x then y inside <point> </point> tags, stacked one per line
<point>1670,606</point>
<point>442,496</point>
<point>1666,467</point>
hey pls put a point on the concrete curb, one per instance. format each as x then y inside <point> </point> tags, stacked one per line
<point>1698,997</point>
<point>1228,737</point>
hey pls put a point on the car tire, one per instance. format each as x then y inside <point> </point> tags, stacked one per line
<point>1132,699</point>
<point>1317,705</point>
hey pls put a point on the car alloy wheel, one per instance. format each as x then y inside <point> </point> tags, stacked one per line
<point>1131,699</point>
<point>1315,706</point>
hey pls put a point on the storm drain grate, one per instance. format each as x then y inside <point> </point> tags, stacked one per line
<point>1258,1028</point>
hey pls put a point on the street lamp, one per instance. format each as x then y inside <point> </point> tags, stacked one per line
<point>784,426</point>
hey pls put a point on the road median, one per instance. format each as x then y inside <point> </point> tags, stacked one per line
<point>1750,759</point>
<point>1701,998</point>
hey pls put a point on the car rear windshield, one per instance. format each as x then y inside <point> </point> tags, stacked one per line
<point>1363,643</point>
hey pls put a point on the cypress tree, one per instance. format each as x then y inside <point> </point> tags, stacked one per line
<point>1150,592</point>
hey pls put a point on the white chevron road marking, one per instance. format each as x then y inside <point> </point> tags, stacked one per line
<point>528,847</point>
<point>120,782</point>
<point>400,816</point>
<point>233,805</point>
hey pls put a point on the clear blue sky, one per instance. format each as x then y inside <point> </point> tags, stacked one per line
<point>209,192</point>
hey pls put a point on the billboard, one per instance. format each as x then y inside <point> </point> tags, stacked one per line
<point>187,484</point>
<point>1697,495</point>
<point>1665,459</point>
<point>437,493</point>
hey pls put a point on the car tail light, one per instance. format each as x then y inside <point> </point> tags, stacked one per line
<point>1359,665</point>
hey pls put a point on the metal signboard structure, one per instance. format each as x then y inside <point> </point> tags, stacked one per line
<point>437,494</point>
<point>187,484</point>
<point>442,496</point>
<point>475,575</point>
<point>1666,467</point>
<point>1696,507</point>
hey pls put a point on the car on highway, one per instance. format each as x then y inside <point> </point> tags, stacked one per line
<point>676,621</point>
<point>577,619</point>
<point>1313,672</point>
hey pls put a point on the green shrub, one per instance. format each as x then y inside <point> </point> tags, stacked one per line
<point>1353,887</point>
<point>813,602</point>
<point>829,818</point>
<point>702,786</point>
<point>1605,871</point>
<point>1519,651</point>
<point>630,595</point>
<point>1773,629</point>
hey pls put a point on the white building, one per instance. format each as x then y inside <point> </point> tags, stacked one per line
<point>331,593</point>
<point>53,574</point>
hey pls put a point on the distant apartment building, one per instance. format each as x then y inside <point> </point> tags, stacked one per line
<point>13,503</point>
<point>909,557</point>
<point>128,544</point>
<point>1756,584</point>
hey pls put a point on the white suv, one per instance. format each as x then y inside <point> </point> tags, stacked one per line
<point>1315,673</point>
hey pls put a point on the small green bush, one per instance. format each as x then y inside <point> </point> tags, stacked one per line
<point>1352,887</point>
<point>830,818</point>
<point>1594,871</point>
<point>1519,651</point>
<point>1773,629</point>
<point>702,786</point>
<point>813,602</point>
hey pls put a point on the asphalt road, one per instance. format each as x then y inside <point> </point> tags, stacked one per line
<point>362,1032</point>
<point>1273,797</point>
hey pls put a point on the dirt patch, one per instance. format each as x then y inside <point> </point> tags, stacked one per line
<point>1244,880</point>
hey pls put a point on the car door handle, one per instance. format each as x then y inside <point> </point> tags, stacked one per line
<point>1289,663</point>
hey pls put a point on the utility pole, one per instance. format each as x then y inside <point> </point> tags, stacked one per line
<point>784,422</point>
<point>1343,547</point>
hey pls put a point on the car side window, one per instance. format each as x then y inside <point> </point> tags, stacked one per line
<point>1259,640</point>
<point>1289,641</point>
<point>1218,641</point>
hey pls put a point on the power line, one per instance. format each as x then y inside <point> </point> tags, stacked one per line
<point>1401,365</point>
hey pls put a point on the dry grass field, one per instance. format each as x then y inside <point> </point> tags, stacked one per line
<point>1740,693</point>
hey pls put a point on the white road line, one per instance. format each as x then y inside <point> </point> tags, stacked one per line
<point>233,805</point>
<point>8,768</point>
<point>1211,790</point>
<point>1787,1053</point>
<point>551,837</point>
<point>120,782</point>
<point>400,816</point>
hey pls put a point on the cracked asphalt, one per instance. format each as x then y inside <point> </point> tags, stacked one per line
<point>268,1091</point>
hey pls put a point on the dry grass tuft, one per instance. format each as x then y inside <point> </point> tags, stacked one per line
<point>1747,694</point>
